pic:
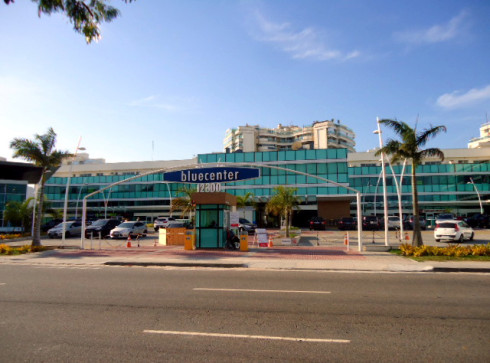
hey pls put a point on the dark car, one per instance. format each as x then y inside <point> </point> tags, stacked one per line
<point>371,223</point>
<point>246,226</point>
<point>50,224</point>
<point>479,221</point>
<point>101,227</point>
<point>347,223</point>
<point>318,223</point>
<point>408,223</point>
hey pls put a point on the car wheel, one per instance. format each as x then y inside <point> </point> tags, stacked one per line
<point>472,236</point>
<point>438,240</point>
<point>156,229</point>
<point>461,238</point>
<point>67,234</point>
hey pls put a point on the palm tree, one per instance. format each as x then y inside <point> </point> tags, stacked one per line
<point>19,213</point>
<point>409,148</point>
<point>283,204</point>
<point>40,152</point>
<point>184,203</point>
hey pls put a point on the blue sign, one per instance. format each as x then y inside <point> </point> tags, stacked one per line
<point>212,175</point>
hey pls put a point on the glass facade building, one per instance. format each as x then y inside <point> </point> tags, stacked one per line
<point>453,185</point>
<point>11,191</point>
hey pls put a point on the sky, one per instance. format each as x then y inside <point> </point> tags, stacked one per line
<point>169,77</point>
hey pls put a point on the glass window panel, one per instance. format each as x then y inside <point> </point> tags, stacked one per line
<point>321,154</point>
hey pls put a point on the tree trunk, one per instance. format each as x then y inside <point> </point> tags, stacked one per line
<point>417,235</point>
<point>287,224</point>
<point>36,239</point>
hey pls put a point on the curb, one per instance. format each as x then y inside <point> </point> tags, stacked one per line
<point>175,264</point>
<point>461,269</point>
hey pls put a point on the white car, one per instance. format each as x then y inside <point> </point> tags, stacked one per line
<point>162,222</point>
<point>453,230</point>
<point>72,228</point>
<point>125,229</point>
<point>393,222</point>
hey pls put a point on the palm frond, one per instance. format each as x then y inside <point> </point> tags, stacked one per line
<point>427,134</point>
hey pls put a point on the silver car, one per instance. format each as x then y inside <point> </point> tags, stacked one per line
<point>126,229</point>
<point>72,228</point>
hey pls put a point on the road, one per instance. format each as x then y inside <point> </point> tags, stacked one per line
<point>129,314</point>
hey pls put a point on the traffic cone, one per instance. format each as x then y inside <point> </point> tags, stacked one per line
<point>407,237</point>
<point>270,242</point>
<point>128,245</point>
<point>346,239</point>
<point>155,243</point>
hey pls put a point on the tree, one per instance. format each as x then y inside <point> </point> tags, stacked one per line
<point>409,147</point>
<point>184,203</point>
<point>86,16</point>
<point>246,200</point>
<point>40,152</point>
<point>283,203</point>
<point>19,213</point>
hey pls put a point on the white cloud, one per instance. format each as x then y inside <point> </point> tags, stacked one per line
<point>457,99</point>
<point>303,44</point>
<point>154,102</point>
<point>436,33</point>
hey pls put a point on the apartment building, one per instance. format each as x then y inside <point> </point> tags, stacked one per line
<point>320,135</point>
<point>483,140</point>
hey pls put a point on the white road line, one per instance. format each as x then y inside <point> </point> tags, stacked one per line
<point>252,290</point>
<point>218,335</point>
<point>3,283</point>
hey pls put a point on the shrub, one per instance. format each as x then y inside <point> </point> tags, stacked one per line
<point>451,251</point>
<point>480,250</point>
<point>407,249</point>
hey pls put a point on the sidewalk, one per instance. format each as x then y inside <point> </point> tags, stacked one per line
<point>302,257</point>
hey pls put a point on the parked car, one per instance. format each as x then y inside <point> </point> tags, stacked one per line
<point>393,222</point>
<point>317,223</point>
<point>50,224</point>
<point>479,221</point>
<point>347,223</point>
<point>446,217</point>
<point>176,224</point>
<point>408,223</point>
<point>453,230</point>
<point>244,225</point>
<point>371,223</point>
<point>162,222</point>
<point>101,227</point>
<point>72,228</point>
<point>132,228</point>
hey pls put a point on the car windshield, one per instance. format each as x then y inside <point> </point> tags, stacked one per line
<point>99,222</point>
<point>243,220</point>
<point>126,225</point>
<point>347,219</point>
<point>445,216</point>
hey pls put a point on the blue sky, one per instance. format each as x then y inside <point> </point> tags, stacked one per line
<point>169,77</point>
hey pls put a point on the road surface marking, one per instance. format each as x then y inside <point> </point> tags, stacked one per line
<point>218,335</point>
<point>252,290</point>
<point>3,283</point>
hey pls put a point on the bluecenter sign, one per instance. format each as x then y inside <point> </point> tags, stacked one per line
<point>212,175</point>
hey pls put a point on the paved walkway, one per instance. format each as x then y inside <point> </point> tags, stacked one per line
<point>333,257</point>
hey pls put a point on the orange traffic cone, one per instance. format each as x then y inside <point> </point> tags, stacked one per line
<point>346,239</point>
<point>270,242</point>
<point>128,245</point>
<point>407,237</point>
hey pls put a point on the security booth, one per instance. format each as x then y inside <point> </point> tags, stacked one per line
<point>212,218</point>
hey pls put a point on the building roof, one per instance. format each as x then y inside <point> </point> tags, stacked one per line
<point>20,171</point>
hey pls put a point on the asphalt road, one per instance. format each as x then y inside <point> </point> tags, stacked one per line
<point>51,314</point>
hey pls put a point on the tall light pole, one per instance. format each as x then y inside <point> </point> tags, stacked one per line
<point>385,198</point>
<point>478,194</point>
<point>65,205</point>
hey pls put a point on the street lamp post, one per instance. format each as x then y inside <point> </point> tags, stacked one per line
<point>385,198</point>
<point>65,205</point>
<point>478,194</point>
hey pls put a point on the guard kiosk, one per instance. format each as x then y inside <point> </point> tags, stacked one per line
<point>212,218</point>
